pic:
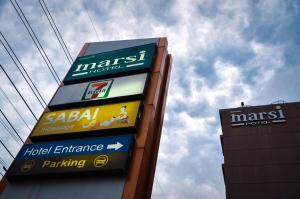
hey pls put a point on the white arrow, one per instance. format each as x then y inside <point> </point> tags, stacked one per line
<point>114,146</point>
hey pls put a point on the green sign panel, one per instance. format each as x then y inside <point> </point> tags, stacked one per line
<point>137,58</point>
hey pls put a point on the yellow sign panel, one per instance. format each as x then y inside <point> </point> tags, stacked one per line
<point>88,119</point>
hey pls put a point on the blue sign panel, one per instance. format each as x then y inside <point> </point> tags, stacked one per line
<point>107,145</point>
<point>82,156</point>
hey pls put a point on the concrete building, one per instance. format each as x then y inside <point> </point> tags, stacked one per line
<point>261,148</point>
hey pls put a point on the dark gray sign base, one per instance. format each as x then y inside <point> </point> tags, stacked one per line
<point>80,188</point>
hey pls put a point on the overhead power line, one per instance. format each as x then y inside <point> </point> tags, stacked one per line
<point>160,187</point>
<point>10,132</point>
<point>5,169</point>
<point>91,20</point>
<point>15,59</point>
<point>18,92</point>
<point>7,149</point>
<point>3,163</point>
<point>20,116</point>
<point>11,126</point>
<point>35,40</point>
<point>56,31</point>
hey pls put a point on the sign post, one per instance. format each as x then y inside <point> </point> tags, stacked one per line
<point>105,118</point>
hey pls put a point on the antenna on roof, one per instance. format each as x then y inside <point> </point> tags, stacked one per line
<point>279,102</point>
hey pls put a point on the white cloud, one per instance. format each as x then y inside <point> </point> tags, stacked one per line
<point>187,188</point>
<point>202,35</point>
<point>268,59</point>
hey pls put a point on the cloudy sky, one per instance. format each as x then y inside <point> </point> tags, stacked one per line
<point>224,52</point>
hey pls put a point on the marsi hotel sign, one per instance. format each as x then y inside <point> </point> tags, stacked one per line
<point>126,60</point>
<point>260,118</point>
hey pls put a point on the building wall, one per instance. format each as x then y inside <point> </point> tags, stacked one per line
<point>262,160</point>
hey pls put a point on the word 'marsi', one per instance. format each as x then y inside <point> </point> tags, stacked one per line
<point>113,62</point>
<point>261,118</point>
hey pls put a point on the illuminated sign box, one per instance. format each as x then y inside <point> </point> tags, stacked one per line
<point>87,121</point>
<point>95,155</point>
<point>102,90</point>
<point>111,63</point>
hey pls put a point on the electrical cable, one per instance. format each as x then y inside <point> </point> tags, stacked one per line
<point>18,92</point>
<point>11,126</point>
<point>35,88</point>
<point>9,131</point>
<point>36,41</point>
<point>163,193</point>
<point>2,162</point>
<point>20,116</point>
<point>56,31</point>
<point>85,7</point>
<point>7,149</point>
